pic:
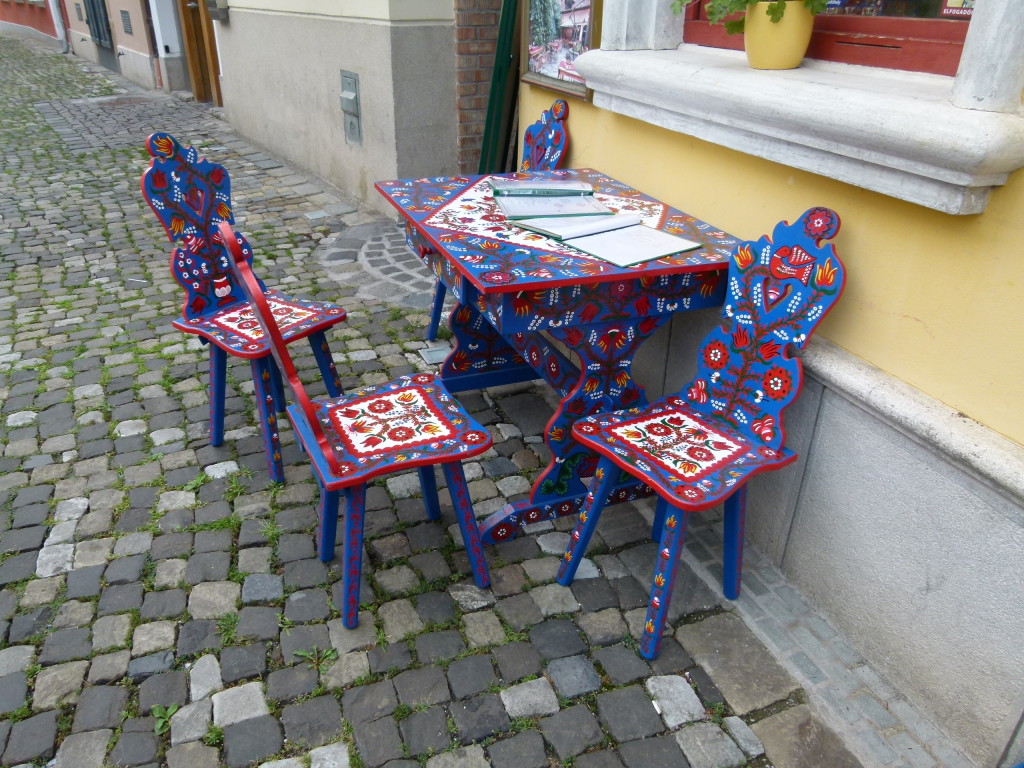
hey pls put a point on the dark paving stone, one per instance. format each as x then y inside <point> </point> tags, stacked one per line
<point>124,569</point>
<point>8,603</point>
<point>479,717</point>
<point>84,582</point>
<point>598,760</point>
<point>425,536</point>
<point>213,541</point>
<point>262,588</point>
<point>573,676</point>
<point>307,605</point>
<point>171,545</point>
<point>207,566</point>
<point>556,638</point>
<point>393,657</point>
<point>119,598</point>
<point>100,706</point>
<point>470,676</point>
<point>516,661</point>
<point>303,574</point>
<point>435,607</point>
<point>594,594</point>
<point>437,646</point>
<point>292,682</point>
<point>519,612</point>
<point>294,546</point>
<point>196,637</point>
<point>164,688</point>
<point>423,686</point>
<point>133,519</point>
<point>378,742</point>
<point>369,702</point>
<point>241,662</point>
<point>255,623</point>
<point>518,549</point>
<point>706,688</point>
<point>145,667</point>
<point>13,690</point>
<point>17,568</point>
<point>662,751</point>
<point>672,659</point>
<point>630,592</point>
<point>165,604</point>
<point>251,534</point>
<point>29,624</point>
<point>621,664</point>
<point>32,739</point>
<point>524,750</point>
<point>303,638</point>
<point>571,731</point>
<point>65,645</point>
<point>628,714</point>
<point>22,539</point>
<point>31,515</point>
<point>425,732</point>
<point>313,722</point>
<point>251,740</point>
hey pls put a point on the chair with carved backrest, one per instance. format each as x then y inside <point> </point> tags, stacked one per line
<point>410,422</point>
<point>191,196</point>
<point>544,146</point>
<point>698,448</point>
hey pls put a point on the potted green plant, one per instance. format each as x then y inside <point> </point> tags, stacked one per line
<point>776,32</point>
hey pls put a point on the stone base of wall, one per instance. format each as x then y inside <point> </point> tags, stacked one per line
<point>903,524</point>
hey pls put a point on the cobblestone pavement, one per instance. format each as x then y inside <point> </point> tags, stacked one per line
<point>160,603</point>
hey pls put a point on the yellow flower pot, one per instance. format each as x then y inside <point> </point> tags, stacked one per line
<point>780,45</point>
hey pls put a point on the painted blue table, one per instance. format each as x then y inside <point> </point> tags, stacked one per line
<point>518,290</point>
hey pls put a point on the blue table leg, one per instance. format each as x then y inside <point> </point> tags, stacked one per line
<point>327,523</point>
<point>436,310</point>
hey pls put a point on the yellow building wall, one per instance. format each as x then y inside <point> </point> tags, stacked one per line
<point>931,298</point>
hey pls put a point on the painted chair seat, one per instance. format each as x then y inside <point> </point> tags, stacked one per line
<point>236,330</point>
<point>683,455</point>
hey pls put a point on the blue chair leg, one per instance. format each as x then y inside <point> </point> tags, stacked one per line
<point>435,311</point>
<point>327,522</point>
<point>659,518</point>
<point>325,362</point>
<point>218,381</point>
<point>673,533</point>
<point>352,563</point>
<point>428,484</point>
<point>262,378</point>
<point>467,521</point>
<point>278,385</point>
<point>604,479</point>
<point>732,554</point>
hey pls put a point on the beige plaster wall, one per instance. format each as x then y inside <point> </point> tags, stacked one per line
<point>281,83</point>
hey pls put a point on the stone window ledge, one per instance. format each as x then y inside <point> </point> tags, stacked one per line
<point>892,132</point>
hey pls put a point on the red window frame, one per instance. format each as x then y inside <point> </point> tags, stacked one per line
<point>915,45</point>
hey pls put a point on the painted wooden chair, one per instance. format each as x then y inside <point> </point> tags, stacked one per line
<point>544,146</point>
<point>699,447</point>
<point>410,422</point>
<point>191,196</point>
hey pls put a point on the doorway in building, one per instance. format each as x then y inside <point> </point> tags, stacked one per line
<point>200,50</point>
<point>99,30</point>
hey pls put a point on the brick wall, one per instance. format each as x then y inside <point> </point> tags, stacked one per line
<point>476,36</point>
